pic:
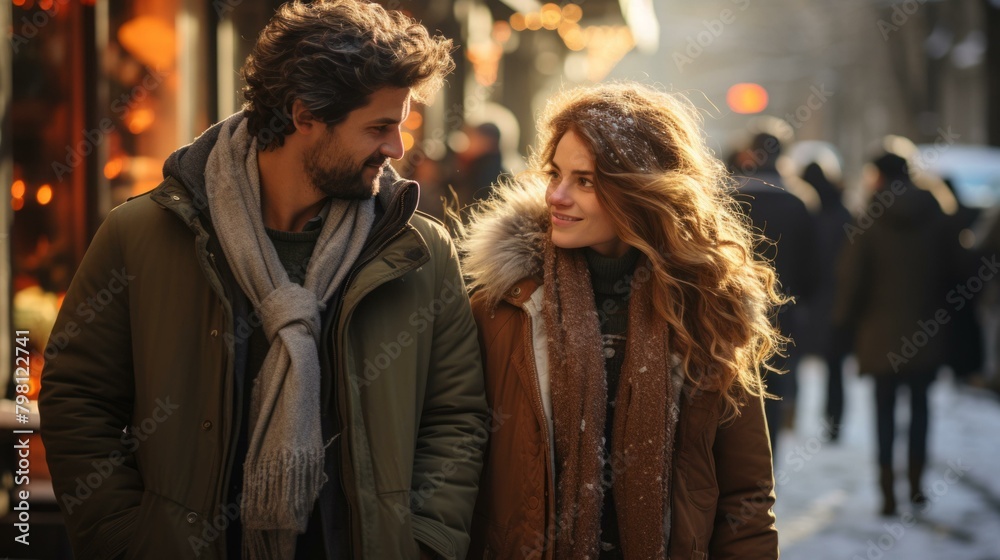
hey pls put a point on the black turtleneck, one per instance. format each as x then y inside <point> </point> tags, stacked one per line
<point>611,280</point>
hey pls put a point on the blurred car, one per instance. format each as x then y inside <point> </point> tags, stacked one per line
<point>973,170</point>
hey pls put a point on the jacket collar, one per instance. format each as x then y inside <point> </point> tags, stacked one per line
<point>504,242</point>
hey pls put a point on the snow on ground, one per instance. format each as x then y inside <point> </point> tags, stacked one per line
<point>828,502</point>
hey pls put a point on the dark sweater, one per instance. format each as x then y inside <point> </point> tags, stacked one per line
<point>294,250</point>
<point>610,278</point>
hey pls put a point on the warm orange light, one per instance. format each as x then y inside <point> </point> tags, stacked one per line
<point>413,121</point>
<point>114,167</point>
<point>151,40</point>
<point>19,2</point>
<point>501,31</point>
<point>44,195</point>
<point>45,5</point>
<point>407,140</point>
<point>572,12</point>
<point>139,120</point>
<point>575,39</point>
<point>517,22</point>
<point>533,21</point>
<point>17,189</point>
<point>17,203</point>
<point>551,16</point>
<point>747,98</point>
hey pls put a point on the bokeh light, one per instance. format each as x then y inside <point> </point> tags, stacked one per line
<point>747,98</point>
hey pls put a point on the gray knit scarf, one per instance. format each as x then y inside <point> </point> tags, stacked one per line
<point>283,471</point>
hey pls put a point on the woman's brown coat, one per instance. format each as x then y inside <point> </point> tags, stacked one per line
<point>722,484</point>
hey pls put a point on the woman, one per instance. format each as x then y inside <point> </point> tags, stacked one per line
<point>624,323</point>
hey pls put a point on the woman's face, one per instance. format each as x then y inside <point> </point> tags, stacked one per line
<point>578,220</point>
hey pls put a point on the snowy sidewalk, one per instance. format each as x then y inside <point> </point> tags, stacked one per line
<point>827,492</point>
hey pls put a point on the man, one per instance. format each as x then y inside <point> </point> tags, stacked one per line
<point>790,243</point>
<point>271,355</point>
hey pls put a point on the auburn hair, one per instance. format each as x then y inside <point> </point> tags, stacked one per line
<point>670,197</point>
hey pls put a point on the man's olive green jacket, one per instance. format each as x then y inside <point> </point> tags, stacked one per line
<point>138,413</point>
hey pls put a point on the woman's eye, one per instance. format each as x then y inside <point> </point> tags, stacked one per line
<point>587,183</point>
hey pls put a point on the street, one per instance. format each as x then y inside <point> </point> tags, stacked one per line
<point>827,491</point>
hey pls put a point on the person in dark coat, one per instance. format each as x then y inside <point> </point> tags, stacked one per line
<point>822,338</point>
<point>964,353</point>
<point>271,354</point>
<point>892,296</point>
<point>479,166</point>
<point>790,245</point>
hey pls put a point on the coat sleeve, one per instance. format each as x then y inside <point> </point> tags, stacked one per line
<point>853,279</point>
<point>86,403</point>
<point>452,432</point>
<point>744,520</point>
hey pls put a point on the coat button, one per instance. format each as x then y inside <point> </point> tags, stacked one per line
<point>516,291</point>
<point>533,503</point>
<point>192,518</point>
<point>206,425</point>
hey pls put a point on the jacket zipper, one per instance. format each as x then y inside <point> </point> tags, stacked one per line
<point>349,490</point>
<point>529,335</point>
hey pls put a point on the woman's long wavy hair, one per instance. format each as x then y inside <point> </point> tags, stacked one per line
<point>670,197</point>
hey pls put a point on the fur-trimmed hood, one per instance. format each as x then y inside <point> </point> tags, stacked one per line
<point>506,235</point>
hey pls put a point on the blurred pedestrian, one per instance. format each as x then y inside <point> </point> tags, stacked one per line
<point>789,243</point>
<point>819,336</point>
<point>624,322</point>
<point>891,293</point>
<point>964,352</point>
<point>247,364</point>
<point>479,166</point>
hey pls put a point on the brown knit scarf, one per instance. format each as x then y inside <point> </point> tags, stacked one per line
<point>643,432</point>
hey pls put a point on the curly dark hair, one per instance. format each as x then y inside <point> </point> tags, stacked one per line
<point>331,55</point>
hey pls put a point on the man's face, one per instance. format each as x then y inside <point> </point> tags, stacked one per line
<point>347,160</point>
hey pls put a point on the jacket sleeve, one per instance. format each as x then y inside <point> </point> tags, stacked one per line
<point>853,279</point>
<point>86,403</point>
<point>452,432</point>
<point>744,520</point>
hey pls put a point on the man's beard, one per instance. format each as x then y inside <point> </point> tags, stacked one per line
<point>341,178</point>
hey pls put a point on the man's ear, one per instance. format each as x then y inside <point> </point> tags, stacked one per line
<point>303,119</point>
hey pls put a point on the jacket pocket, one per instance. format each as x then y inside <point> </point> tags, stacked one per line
<point>166,529</point>
<point>116,536</point>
